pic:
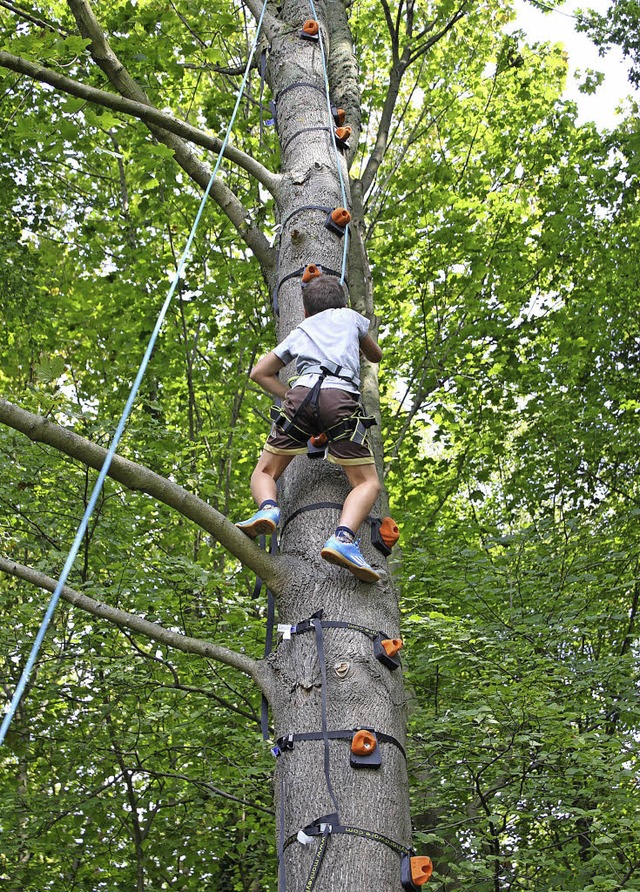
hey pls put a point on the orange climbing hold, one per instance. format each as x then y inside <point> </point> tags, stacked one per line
<point>311,272</point>
<point>391,646</point>
<point>389,532</point>
<point>319,440</point>
<point>310,28</point>
<point>421,869</point>
<point>343,133</point>
<point>363,743</point>
<point>339,116</point>
<point>341,217</point>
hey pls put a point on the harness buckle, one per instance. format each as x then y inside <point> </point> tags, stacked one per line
<point>320,827</point>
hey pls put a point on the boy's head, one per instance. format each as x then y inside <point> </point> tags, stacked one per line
<point>323,293</point>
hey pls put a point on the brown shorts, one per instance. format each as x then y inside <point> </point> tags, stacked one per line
<point>334,405</point>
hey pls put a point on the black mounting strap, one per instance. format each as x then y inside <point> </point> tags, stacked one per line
<point>300,84</point>
<point>377,638</point>
<point>329,825</point>
<point>326,270</point>
<point>305,207</point>
<point>317,627</point>
<point>313,507</point>
<point>376,539</point>
<point>285,744</point>
<point>299,132</point>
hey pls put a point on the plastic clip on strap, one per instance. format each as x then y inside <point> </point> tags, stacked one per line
<point>337,221</point>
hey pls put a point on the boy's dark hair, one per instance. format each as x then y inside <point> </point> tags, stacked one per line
<point>323,293</point>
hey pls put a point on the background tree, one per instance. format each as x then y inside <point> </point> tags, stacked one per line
<point>507,308</point>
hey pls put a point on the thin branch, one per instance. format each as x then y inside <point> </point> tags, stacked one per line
<point>393,30</point>
<point>382,137</point>
<point>438,35</point>
<point>255,669</point>
<point>29,17</point>
<point>137,477</point>
<point>149,114</point>
<point>205,785</point>
<point>119,77</point>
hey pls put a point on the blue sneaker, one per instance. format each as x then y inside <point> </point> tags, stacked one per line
<point>347,554</point>
<point>263,523</point>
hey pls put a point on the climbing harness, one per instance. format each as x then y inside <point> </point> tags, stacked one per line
<point>353,428</point>
<point>82,528</point>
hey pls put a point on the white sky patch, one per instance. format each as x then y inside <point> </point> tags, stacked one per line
<point>558,26</point>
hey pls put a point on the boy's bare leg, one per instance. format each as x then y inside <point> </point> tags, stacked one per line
<point>365,489</point>
<point>266,474</point>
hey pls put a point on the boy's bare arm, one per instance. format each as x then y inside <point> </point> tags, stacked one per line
<point>265,373</point>
<point>370,349</point>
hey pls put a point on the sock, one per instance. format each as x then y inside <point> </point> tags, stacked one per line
<point>345,534</point>
<point>268,503</point>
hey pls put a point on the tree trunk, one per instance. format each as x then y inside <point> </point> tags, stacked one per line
<point>363,692</point>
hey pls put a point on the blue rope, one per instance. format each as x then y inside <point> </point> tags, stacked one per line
<point>333,139</point>
<point>26,673</point>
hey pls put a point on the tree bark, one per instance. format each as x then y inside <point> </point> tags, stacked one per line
<point>362,692</point>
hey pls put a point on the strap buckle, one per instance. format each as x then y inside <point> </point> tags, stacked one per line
<point>320,827</point>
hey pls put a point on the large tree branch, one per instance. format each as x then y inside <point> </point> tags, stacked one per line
<point>255,669</point>
<point>147,113</point>
<point>137,477</point>
<point>200,173</point>
<point>382,137</point>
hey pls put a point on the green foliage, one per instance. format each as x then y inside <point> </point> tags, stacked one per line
<point>502,238</point>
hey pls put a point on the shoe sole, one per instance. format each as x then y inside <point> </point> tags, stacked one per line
<point>362,573</point>
<point>262,527</point>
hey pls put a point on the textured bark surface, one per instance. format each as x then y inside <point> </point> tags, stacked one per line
<point>368,694</point>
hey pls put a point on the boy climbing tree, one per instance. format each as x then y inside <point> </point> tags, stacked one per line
<point>323,402</point>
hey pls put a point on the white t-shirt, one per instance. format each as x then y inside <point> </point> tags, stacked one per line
<point>332,335</point>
